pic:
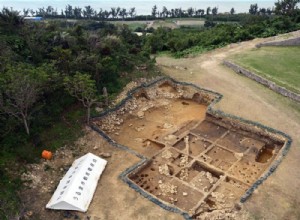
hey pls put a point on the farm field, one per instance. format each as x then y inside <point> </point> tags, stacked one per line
<point>169,23</point>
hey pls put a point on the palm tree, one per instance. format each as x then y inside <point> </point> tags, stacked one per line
<point>88,12</point>
<point>214,11</point>
<point>123,13</point>
<point>131,12</point>
<point>232,11</point>
<point>113,12</point>
<point>208,10</point>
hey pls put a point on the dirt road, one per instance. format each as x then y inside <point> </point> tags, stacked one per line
<point>279,196</point>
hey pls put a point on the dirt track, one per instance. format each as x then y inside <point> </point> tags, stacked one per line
<point>279,196</point>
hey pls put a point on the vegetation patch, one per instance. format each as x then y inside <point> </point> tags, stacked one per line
<point>278,64</point>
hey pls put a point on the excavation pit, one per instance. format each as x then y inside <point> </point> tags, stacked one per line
<point>194,160</point>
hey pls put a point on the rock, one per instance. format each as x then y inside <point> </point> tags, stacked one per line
<point>184,194</point>
<point>164,170</point>
<point>105,155</point>
<point>167,126</point>
<point>141,114</point>
<point>167,154</point>
<point>96,147</point>
<point>238,155</point>
<point>29,213</point>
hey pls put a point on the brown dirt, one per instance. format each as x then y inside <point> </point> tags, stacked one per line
<point>279,196</point>
<point>113,198</point>
<point>191,155</point>
<point>155,122</point>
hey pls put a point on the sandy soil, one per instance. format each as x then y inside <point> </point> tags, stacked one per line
<point>279,196</point>
<point>113,199</point>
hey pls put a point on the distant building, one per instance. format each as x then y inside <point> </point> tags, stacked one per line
<point>33,18</point>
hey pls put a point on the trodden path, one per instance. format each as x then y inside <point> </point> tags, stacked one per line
<point>279,196</point>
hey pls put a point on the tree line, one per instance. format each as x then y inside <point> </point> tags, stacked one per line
<point>50,69</point>
<point>216,33</point>
<point>115,13</point>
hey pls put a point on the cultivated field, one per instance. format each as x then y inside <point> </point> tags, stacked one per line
<point>169,23</point>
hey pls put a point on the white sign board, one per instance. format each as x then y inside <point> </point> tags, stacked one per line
<point>76,189</point>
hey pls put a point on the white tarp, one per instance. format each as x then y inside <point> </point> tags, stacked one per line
<point>76,189</point>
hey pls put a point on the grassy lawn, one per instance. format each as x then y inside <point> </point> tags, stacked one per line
<point>279,64</point>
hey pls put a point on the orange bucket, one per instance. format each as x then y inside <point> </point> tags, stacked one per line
<point>47,155</point>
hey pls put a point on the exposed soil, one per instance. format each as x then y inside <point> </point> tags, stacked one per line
<point>279,196</point>
<point>191,155</point>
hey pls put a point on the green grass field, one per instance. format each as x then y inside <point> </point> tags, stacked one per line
<point>279,64</point>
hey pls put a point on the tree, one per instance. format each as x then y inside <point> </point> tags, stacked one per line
<point>269,11</point>
<point>20,88</point>
<point>26,12</point>
<point>214,11</point>
<point>286,7</point>
<point>232,11</point>
<point>165,12</point>
<point>131,12</point>
<point>69,11</point>
<point>154,11</point>
<point>262,11</point>
<point>208,10</point>
<point>88,12</point>
<point>49,11</point>
<point>190,11</point>
<point>253,9</point>
<point>77,12</point>
<point>123,13</point>
<point>118,10</point>
<point>10,20</point>
<point>113,12</point>
<point>82,87</point>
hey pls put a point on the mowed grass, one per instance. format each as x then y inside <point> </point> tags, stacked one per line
<point>279,64</point>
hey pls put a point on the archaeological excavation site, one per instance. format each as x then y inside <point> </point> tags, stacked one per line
<point>194,159</point>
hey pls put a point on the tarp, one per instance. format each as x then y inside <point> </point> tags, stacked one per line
<point>76,189</point>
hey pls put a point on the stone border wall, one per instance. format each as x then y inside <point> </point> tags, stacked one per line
<point>288,42</point>
<point>271,85</point>
<point>210,110</point>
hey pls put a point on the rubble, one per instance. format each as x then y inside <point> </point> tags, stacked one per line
<point>167,154</point>
<point>167,188</point>
<point>164,170</point>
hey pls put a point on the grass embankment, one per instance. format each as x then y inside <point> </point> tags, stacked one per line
<point>278,64</point>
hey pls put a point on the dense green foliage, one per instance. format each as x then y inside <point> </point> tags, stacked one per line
<point>44,64</point>
<point>278,64</point>
<point>182,42</point>
<point>38,63</point>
